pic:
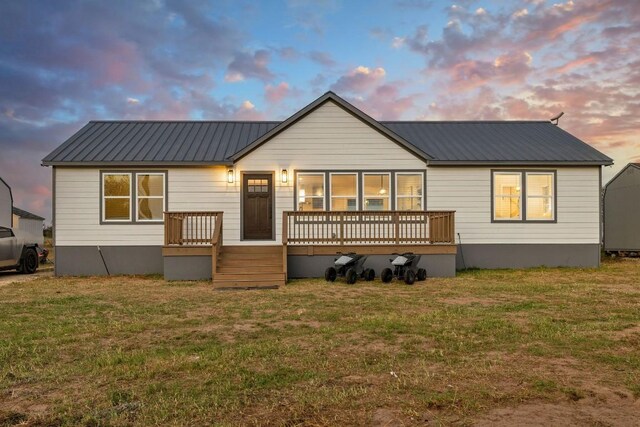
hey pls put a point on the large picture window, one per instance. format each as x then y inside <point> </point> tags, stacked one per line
<point>116,190</point>
<point>409,191</point>
<point>310,189</point>
<point>523,196</point>
<point>133,196</point>
<point>376,191</point>
<point>344,191</point>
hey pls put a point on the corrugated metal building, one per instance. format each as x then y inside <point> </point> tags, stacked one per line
<point>622,211</point>
<point>6,203</point>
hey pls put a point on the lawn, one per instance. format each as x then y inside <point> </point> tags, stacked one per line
<point>553,346</point>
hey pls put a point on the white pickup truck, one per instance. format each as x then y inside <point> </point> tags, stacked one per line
<point>16,253</point>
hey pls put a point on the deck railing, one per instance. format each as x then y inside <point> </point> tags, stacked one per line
<point>368,227</point>
<point>192,228</point>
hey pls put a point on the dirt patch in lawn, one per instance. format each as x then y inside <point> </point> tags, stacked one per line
<point>612,410</point>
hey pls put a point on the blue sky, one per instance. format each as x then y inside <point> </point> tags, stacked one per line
<point>63,63</point>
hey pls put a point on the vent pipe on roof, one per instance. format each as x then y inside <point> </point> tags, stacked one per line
<point>556,118</point>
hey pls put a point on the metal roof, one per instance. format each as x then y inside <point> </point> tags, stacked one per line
<point>166,143</point>
<point>157,142</point>
<point>26,215</point>
<point>514,142</point>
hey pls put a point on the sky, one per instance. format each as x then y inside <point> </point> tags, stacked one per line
<point>63,63</point>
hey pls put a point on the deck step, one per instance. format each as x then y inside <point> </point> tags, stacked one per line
<point>247,256</point>
<point>252,268</point>
<point>230,284</point>
<point>248,277</point>
<point>249,267</point>
<point>252,249</point>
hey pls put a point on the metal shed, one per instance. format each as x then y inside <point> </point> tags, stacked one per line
<point>6,204</point>
<point>622,211</point>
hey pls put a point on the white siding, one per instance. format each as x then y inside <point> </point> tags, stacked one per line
<point>327,138</point>
<point>467,190</point>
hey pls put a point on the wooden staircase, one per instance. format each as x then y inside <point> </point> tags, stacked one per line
<point>249,267</point>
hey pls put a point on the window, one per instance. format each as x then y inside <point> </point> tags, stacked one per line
<point>116,190</point>
<point>258,185</point>
<point>540,189</point>
<point>344,191</point>
<point>507,201</point>
<point>150,196</point>
<point>409,191</point>
<point>129,197</point>
<point>376,191</point>
<point>310,189</point>
<point>533,201</point>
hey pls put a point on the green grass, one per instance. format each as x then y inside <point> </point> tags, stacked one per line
<point>138,350</point>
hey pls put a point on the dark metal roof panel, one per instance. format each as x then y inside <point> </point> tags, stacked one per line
<point>497,141</point>
<point>203,142</point>
<point>26,215</point>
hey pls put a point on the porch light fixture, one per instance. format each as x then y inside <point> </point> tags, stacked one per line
<point>285,176</point>
<point>230,176</point>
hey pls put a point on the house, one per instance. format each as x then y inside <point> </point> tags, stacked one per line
<point>622,211</point>
<point>257,202</point>
<point>29,224</point>
<point>6,204</point>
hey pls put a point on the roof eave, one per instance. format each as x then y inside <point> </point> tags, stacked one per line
<point>135,164</point>
<point>519,163</point>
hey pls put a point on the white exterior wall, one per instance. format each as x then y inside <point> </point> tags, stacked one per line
<point>467,190</point>
<point>328,138</point>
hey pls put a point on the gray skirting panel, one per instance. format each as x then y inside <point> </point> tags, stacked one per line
<point>194,267</point>
<point>86,260</point>
<point>527,255</point>
<point>299,266</point>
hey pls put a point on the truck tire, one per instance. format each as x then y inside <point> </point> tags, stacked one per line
<point>29,261</point>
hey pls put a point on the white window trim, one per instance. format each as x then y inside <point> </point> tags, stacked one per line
<point>105,197</point>
<point>496,195</point>
<point>377,196</point>
<point>552,197</point>
<point>324,192</point>
<point>422,197</point>
<point>163,197</point>
<point>357,196</point>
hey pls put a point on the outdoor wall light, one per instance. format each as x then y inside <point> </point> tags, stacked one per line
<point>285,176</point>
<point>230,176</point>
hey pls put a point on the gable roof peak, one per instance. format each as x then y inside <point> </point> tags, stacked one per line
<point>349,108</point>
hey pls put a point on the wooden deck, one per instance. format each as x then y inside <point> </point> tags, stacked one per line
<point>306,233</point>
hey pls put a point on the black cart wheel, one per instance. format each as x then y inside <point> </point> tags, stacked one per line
<point>351,276</point>
<point>387,275</point>
<point>330,274</point>
<point>409,277</point>
<point>422,274</point>
<point>369,274</point>
<point>29,263</point>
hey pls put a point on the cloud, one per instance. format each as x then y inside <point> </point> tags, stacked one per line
<point>276,94</point>
<point>360,79</point>
<point>385,102</point>
<point>245,65</point>
<point>322,58</point>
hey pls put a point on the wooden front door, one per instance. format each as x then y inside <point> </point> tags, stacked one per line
<point>257,210</point>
